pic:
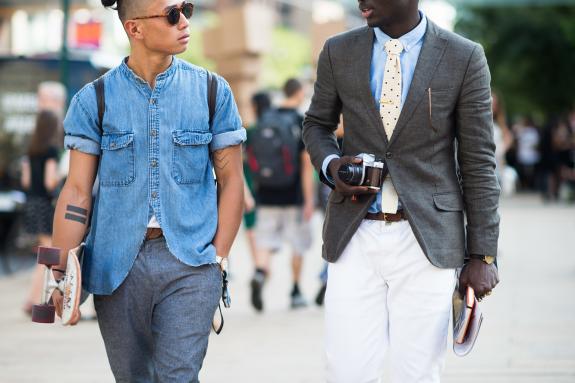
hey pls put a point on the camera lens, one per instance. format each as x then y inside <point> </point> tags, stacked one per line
<point>351,174</point>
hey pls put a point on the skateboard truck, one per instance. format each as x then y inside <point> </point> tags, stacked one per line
<point>70,285</point>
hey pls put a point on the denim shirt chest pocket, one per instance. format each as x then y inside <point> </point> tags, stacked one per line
<point>117,164</point>
<point>190,155</point>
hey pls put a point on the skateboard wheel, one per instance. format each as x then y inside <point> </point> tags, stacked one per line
<point>43,313</point>
<point>49,256</point>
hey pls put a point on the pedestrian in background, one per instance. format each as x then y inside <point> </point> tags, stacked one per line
<point>40,179</point>
<point>527,140</point>
<point>52,96</point>
<point>261,102</point>
<point>284,184</point>
<point>503,141</point>
<point>564,149</point>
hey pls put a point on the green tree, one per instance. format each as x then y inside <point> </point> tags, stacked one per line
<point>290,54</point>
<point>531,53</point>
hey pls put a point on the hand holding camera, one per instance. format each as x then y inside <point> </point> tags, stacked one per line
<point>358,175</point>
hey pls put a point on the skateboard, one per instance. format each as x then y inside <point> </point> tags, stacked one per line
<point>70,285</point>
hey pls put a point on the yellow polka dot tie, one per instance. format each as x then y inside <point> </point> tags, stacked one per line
<point>389,110</point>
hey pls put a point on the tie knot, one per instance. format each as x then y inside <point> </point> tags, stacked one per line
<point>393,47</point>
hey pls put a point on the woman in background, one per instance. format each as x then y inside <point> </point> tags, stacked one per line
<point>503,142</point>
<point>40,178</point>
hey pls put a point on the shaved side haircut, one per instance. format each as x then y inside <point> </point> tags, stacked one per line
<point>127,9</point>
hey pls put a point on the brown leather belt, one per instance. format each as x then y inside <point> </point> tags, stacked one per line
<point>153,233</point>
<point>387,217</point>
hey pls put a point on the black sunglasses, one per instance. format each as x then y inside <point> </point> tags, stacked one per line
<point>173,14</point>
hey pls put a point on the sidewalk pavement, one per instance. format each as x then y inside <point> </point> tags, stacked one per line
<point>528,334</point>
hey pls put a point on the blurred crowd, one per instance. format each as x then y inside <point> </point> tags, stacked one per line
<point>537,157</point>
<point>282,190</point>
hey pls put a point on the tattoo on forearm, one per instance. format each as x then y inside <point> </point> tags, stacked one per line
<point>77,214</point>
<point>76,209</point>
<point>221,159</point>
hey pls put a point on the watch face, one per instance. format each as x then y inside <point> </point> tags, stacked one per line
<point>489,259</point>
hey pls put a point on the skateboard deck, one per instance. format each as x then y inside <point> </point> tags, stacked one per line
<point>70,285</point>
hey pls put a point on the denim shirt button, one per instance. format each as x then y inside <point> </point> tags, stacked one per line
<point>154,194</point>
<point>154,132</point>
<point>153,101</point>
<point>154,164</point>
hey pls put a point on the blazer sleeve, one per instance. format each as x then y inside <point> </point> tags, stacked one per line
<point>322,118</point>
<point>476,157</point>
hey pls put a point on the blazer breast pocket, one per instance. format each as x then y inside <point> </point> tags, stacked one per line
<point>440,104</point>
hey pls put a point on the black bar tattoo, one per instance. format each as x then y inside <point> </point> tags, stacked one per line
<point>76,209</point>
<point>76,218</point>
<point>81,214</point>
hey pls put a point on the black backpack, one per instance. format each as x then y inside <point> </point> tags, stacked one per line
<point>273,150</point>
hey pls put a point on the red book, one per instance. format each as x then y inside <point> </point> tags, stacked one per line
<point>467,319</point>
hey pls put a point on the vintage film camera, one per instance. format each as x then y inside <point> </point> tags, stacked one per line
<point>371,172</point>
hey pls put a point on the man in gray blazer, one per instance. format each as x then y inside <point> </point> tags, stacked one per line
<point>417,97</point>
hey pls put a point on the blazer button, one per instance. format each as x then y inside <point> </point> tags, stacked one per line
<point>388,155</point>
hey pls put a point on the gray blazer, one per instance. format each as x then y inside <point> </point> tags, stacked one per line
<point>440,156</point>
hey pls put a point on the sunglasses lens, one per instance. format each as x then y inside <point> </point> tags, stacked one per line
<point>174,16</point>
<point>188,10</point>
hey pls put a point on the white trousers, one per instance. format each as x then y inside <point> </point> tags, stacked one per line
<point>384,294</point>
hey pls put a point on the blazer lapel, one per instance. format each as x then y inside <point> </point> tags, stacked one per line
<point>429,58</point>
<point>364,46</point>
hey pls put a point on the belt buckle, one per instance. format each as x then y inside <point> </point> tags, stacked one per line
<point>385,217</point>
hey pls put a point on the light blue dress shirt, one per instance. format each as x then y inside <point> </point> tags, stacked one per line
<point>154,160</point>
<point>412,43</point>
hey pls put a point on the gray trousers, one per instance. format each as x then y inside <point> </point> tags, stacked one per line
<point>156,325</point>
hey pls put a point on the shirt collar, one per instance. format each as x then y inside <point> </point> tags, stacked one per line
<point>133,76</point>
<point>410,39</point>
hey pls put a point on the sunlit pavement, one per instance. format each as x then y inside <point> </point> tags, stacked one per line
<point>528,334</point>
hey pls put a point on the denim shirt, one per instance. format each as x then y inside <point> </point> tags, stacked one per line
<point>154,160</point>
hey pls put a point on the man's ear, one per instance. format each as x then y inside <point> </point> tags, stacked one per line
<point>133,29</point>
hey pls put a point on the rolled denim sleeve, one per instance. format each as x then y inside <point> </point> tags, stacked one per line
<point>81,125</point>
<point>227,127</point>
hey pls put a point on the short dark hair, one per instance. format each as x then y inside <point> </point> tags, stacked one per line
<point>261,102</point>
<point>118,7</point>
<point>291,87</point>
<point>124,7</point>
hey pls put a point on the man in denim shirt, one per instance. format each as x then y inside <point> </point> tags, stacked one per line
<point>159,221</point>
